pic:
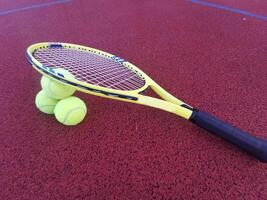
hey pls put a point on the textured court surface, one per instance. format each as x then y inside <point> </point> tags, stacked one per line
<point>212,54</point>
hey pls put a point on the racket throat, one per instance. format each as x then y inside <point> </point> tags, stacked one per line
<point>168,97</point>
<point>165,105</point>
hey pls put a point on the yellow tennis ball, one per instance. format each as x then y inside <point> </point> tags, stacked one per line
<point>55,89</point>
<point>45,103</point>
<point>70,111</point>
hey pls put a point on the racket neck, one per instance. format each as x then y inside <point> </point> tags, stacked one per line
<point>165,105</point>
<point>165,95</point>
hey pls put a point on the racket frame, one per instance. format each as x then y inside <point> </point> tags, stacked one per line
<point>169,102</point>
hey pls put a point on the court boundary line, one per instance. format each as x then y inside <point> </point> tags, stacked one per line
<point>31,7</point>
<point>230,9</point>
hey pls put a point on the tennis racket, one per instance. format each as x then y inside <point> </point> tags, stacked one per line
<point>102,74</point>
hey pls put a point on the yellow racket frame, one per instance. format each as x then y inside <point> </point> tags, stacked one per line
<point>169,102</point>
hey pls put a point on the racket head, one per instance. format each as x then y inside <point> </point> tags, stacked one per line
<point>88,70</point>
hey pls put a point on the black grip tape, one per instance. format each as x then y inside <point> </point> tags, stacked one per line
<point>251,144</point>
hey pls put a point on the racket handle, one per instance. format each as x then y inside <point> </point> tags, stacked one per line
<point>253,145</point>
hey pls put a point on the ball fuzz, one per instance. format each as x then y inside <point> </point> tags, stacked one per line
<point>70,111</point>
<point>55,89</point>
<point>45,103</point>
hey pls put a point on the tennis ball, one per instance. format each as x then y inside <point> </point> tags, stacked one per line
<point>55,89</point>
<point>45,103</point>
<point>70,111</point>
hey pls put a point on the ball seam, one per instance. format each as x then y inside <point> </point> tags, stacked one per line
<point>69,112</point>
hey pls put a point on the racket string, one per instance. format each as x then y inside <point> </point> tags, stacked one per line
<point>91,68</point>
<point>100,69</point>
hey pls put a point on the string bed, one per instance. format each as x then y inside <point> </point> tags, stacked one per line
<point>90,68</point>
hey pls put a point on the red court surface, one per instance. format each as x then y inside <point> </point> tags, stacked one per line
<point>212,55</point>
